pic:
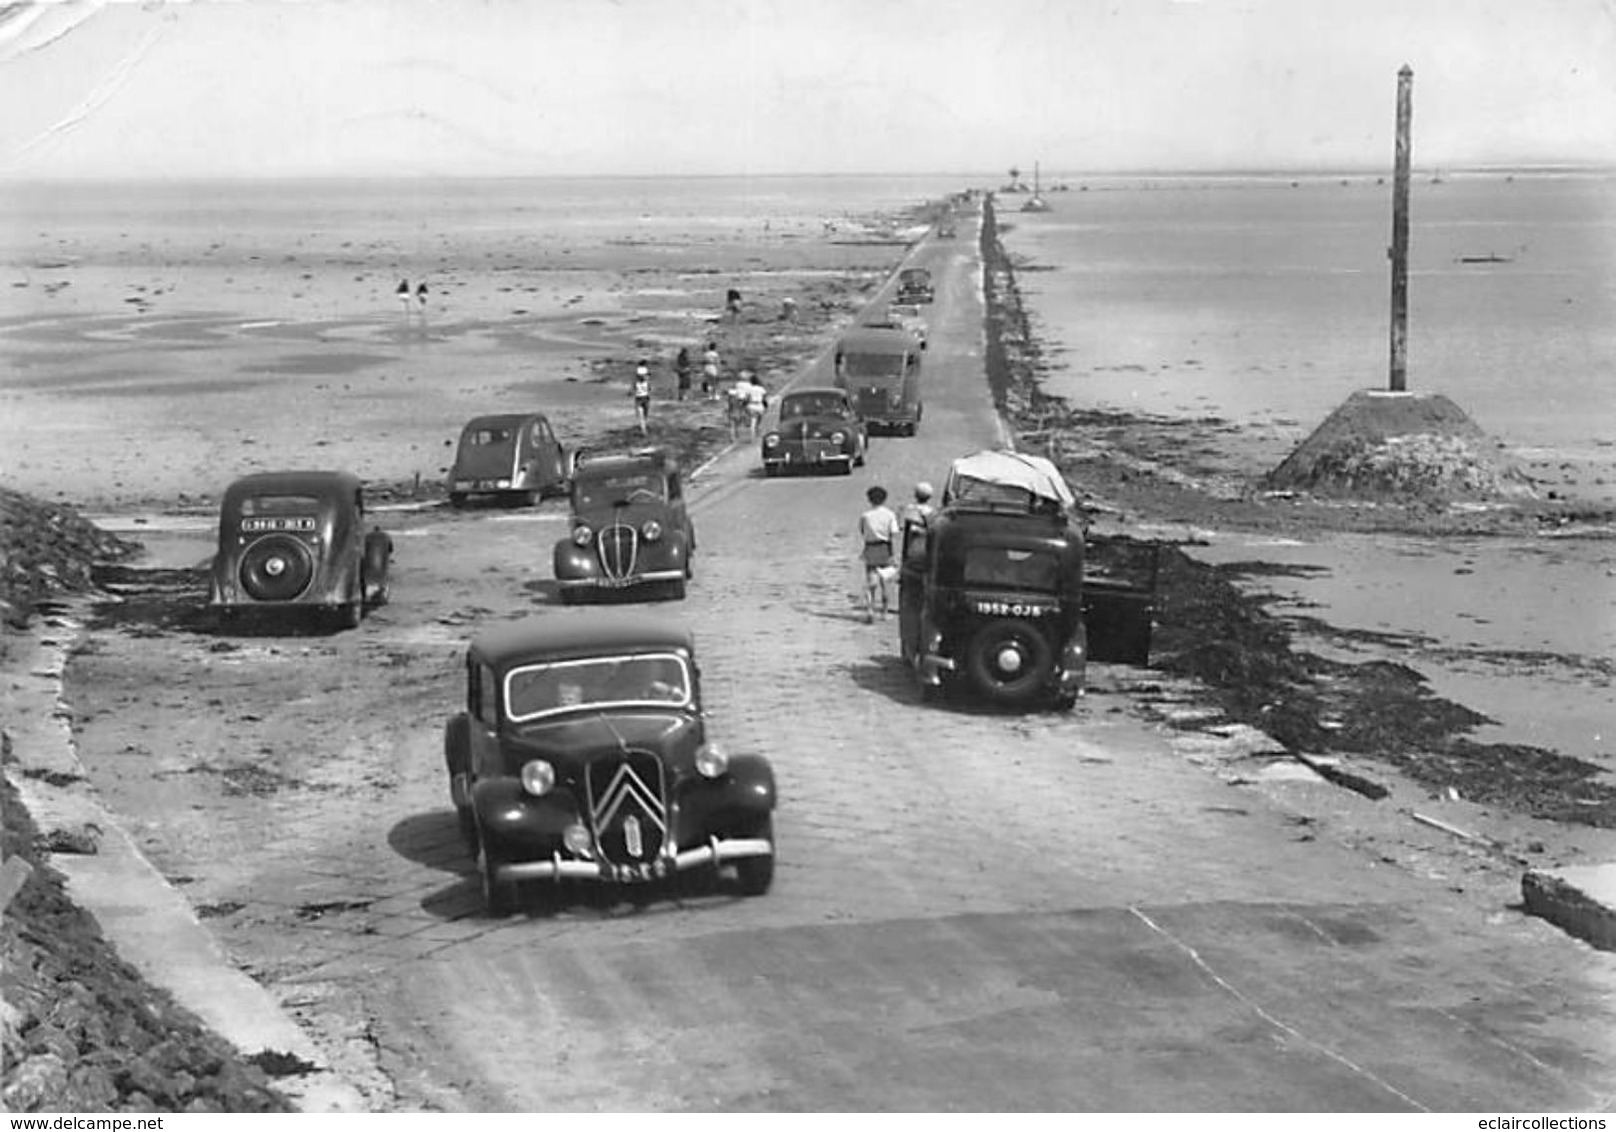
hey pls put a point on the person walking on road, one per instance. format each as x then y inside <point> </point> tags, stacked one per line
<point>757,402</point>
<point>922,509</point>
<point>642,396</point>
<point>878,533</point>
<point>710,365</point>
<point>681,369</point>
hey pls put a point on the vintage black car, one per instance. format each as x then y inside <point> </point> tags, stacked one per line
<point>816,429</point>
<point>511,456</point>
<point>879,367</point>
<point>298,540</point>
<point>914,285</point>
<point>582,754</point>
<point>993,595</point>
<point>630,527</point>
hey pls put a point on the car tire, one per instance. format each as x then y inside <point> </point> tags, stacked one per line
<point>1009,662</point>
<point>568,596</point>
<point>771,470</point>
<point>531,498</point>
<point>497,895</point>
<point>847,467</point>
<point>754,875</point>
<point>1065,701</point>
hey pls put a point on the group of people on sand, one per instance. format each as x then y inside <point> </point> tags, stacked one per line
<point>746,400</point>
<point>880,541</point>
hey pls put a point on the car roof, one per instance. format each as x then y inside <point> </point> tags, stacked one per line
<point>885,339</point>
<point>641,460</point>
<point>295,483</point>
<point>561,638</point>
<point>501,420</point>
<point>816,391</point>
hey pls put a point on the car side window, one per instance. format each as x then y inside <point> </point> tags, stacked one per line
<point>486,694</point>
<point>673,487</point>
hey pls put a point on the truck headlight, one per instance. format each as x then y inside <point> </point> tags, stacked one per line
<point>538,776</point>
<point>711,760</point>
<point>651,531</point>
<point>838,437</point>
<point>581,534</point>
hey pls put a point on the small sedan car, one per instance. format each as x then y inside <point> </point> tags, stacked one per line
<point>582,754</point>
<point>630,528</point>
<point>818,428</point>
<point>298,540</point>
<point>514,456</point>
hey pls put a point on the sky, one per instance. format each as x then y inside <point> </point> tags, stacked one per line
<point>643,87</point>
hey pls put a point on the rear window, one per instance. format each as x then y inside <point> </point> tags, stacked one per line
<point>1011,568</point>
<point>873,365</point>
<point>279,504</point>
<point>484,436</point>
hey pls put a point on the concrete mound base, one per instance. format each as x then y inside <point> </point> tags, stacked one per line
<point>1406,447</point>
<point>1581,901</point>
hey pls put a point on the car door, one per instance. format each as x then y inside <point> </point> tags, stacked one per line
<point>548,454</point>
<point>1119,598</point>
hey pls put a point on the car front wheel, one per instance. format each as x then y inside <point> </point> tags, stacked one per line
<point>1009,661</point>
<point>754,875</point>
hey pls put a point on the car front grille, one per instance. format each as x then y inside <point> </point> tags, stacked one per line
<point>628,807</point>
<point>619,546</point>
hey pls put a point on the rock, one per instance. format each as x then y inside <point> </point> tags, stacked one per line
<point>35,1085</point>
<point>83,839</point>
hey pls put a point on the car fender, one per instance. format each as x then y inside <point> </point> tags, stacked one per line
<point>457,744</point>
<point>750,783</point>
<point>506,812</point>
<point>574,561</point>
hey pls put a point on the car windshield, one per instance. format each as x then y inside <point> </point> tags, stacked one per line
<point>822,405</point>
<point>1011,568</point>
<point>657,679</point>
<point>279,504</point>
<point>619,489</point>
<point>872,365</point>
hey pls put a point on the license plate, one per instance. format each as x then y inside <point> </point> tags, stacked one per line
<point>637,874</point>
<point>276,523</point>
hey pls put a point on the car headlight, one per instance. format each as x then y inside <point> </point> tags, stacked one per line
<point>538,776</point>
<point>772,440</point>
<point>838,437</point>
<point>576,838</point>
<point>711,760</point>
<point>581,535</point>
<point>651,531</point>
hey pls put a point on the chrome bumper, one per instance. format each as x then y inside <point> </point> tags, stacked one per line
<point>931,667</point>
<point>715,852</point>
<point>620,583</point>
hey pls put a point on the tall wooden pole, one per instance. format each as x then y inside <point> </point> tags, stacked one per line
<point>1399,251</point>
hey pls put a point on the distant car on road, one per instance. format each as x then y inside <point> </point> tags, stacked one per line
<point>582,754</point>
<point>630,526</point>
<point>514,456</point>
<point>879,367</point>
<point>914,285</point>
<point>817,428</point>
<point>993,595</point>
<point>291,541</point>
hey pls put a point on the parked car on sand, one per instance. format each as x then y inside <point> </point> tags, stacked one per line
<point>630,527</point>
<point>298,541</point>
<point>514,456</point>
<point>582,754</point>
<point>817,428</point>
<point>993,595</point>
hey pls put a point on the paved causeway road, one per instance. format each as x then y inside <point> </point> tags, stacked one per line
<point>971,911</point>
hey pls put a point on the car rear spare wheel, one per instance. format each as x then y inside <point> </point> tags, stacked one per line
<point>1008,661</point>
<point>276,568</point>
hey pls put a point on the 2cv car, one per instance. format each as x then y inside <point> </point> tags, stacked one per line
<point>291,541</point>
<point>817,428</point>
<point>630,527</point>
<point>993,593</point>
<point>582,754</point>
<point>879,367</point>
<point>512,456</point>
